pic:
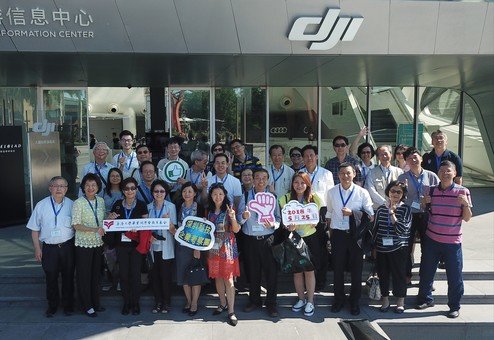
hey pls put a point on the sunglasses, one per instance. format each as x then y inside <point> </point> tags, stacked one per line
<point>142,152</point>
<point>337,145</point>
<point>159,191</point>
<point>295,155</point>
<point>129,189</point>
<point>393,191</point>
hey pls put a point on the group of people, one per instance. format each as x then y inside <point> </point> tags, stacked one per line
<point>420,196</point>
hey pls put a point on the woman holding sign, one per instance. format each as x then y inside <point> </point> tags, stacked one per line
<point>88,213</point>
<point>223,257</point>
<point>163,247</point>
<point>305,280</point>
<point>391,232</point>
<point>129,258</point>
<point>185,255</point>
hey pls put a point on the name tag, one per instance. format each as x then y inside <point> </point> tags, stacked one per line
<point>416,205</point>
<point>125,238</point>
<point>387,241</point>
<point>56,233</point>
<point>216,245</point>
<point>345,224</point>
<point>257,227</point>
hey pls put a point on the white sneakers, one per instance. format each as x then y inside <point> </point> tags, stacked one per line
<point>308,310</point>
<point>299,305</point>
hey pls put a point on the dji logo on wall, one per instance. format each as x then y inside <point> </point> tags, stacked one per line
<point>332,28</point>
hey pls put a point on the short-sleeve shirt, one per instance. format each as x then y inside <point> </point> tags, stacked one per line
<point>303,230</point>
<point>281,179</point>
<point>334,163</point>
<point>91,218</point>
<point>231,184</point>
<point>98,169</point>
<point>418,187</point>
<point>43,220</point>
<point>322,181</point>
<point>131,162</point>
<point>250,162</point>
<point>446,214</point>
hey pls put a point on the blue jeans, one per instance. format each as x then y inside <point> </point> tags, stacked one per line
<point>453,259</point>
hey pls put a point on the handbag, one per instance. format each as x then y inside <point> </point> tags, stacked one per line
<point>373,285</point>
<point>292,255</point>
<point>196,274</point>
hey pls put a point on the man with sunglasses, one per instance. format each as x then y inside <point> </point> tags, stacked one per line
<point>126,160</point>
<point>143,154</point>
<point>340,146</point>
<point>296,158</point>
<point>215,149</point>
<point>100,166</point>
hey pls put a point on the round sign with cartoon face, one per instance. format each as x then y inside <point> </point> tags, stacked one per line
<point>172,171</point>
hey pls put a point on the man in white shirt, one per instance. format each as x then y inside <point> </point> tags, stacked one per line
<point>381,175</point>
<point>344,200</point>
<point>172,155</point>
<point>100,166</point>
<point>51,225</point>
<point>280,174</point>
<point>322,181</point>
<point>126,160</point>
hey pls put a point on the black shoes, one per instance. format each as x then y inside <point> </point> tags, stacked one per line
<point>424,305</point>
<point>50,312</point>
<point>453,314</point>
<point>136,310</point>
<point>232,319</point>
<point>336,307</point>
<point>272,311</point>
<point>220,310</point>
<point>125,309</point>
<point>68,311</point>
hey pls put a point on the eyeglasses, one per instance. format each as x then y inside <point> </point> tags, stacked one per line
<point>59,186</point>
<point>142,152</point>
<point>238,146</point>
<point>159,191</point>
<point>129,189</point>
<point>393,191</point>
<point>295,155</point>
<point>338,145</point>
<point>125,140</point>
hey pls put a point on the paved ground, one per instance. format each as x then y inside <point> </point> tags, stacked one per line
<point>22,302</point>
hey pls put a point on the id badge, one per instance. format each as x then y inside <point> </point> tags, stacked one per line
<point>387,241</point>
<point>345,224</point>
<point>416,205</point>
<point>125,238</point>
<point>56,233</point>
<point>216,245</point>
<point>257,227</point>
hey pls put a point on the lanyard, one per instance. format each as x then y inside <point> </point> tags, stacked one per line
<point>312,176</point>
<point>197,178</point>
<point>274,176</point>
<point>95,209</point>
<point>147,192</point>
<point>98,172</point>
<point>223,180</point>
<point>417,183</point>
<point>344,202</point>
<point>155,210</point>
<point>386,173</point>
<point>131,159</point>
<point>128,212</point>
<point>54,210</point>
<point>364,173</point>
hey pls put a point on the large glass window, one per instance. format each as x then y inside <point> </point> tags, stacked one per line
<point>241,113</point>
<point>68,110</point>
<point>293,117</point>
<point>190,118</point>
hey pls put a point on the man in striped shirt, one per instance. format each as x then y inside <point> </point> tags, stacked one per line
<point>449,204</point>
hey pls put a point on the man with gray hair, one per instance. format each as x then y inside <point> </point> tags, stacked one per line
<point>197,171</point>
<point>380,176</point>
<point>100,166</point>
<point>53,241</point>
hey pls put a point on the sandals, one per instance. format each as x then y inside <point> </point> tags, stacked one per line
<point>232,319</point>
<point>220,310</point>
